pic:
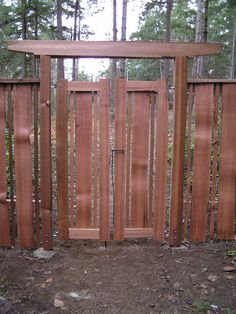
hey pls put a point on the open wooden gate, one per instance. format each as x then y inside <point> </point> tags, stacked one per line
<point>133,191</point>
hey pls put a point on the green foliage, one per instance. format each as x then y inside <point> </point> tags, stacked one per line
<point>230,311</point>
<point>201,306</point>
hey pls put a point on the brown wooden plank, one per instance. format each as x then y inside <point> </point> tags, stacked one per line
<point>226,205</point>
<point>79,86</point>
<point>11,162</point>
<point>188,175</point>
<point>120,115</point>
<point>211,81</point>
<point>81,233</point>
<point>4,221</point>
<point>201,161</point>
<point>128,156</point>
<point>95,159</point>
<point>161,162</point>
<point>138,233</point>
<point>104,159</point>
<point>45,152</point>
<point>62,159</point>
<point>23,164</point>
<point>72,153</point>
<point>117,49</point>
<point>177,176</point>
<point>83,159</point>
<point>215,159</point>
<point>36,166</point>
<point>141,86</point>
<point>139,180</point>
<point>20,81</point>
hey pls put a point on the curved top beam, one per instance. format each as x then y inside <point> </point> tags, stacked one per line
<point>113,49</point>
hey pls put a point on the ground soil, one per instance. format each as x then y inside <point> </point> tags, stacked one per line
<point>128,277</point>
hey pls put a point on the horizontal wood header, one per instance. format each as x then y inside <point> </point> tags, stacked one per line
<point>113,49</point>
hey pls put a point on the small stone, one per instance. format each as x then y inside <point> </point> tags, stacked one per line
<point>229,268</point>
<point>41,253</point>
<point>58,303</point>
<point>212,278</point>
<point>229,277</point>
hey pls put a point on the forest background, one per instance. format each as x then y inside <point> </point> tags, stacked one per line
<point>182,20</point>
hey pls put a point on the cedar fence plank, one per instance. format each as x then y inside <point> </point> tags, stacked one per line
<point>23,164</point>
<point>226,204</point>
<point>4,221</point>
<point>204,102</point>
<point>95,159</point>
<point>72,152</point>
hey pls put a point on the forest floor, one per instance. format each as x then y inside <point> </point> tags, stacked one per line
<point>128,277</point>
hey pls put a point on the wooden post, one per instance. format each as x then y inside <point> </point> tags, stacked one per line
<point>177,179</point>
<point>45,151</point>
<point>62,160</point>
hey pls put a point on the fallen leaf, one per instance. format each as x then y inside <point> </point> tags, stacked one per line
<point>212,278</point>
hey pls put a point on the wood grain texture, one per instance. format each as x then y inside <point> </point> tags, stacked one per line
<point>83,159</point>
<point>45,152</point>
<point>130,233</point>
<point>62,159</point>
<point>215,160</point>
<point>116,49</point>
<point>139,167</point>
<point>95,159</point>
<point>79,86</point>
<point>201,161</point>
<point>120,115</point>
<point>226,204</point>
<point>104,130</point>
<point>72,157</point>
<point>142,86</point>
<point>4,221</point>
<point>177,176</point>
<point>161,162</point>
<point>80,233</point>
<point>23,164</point>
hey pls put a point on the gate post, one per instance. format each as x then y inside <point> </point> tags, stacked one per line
<point>177,179</point>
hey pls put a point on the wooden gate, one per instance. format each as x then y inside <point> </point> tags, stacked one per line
<point>112,162</point>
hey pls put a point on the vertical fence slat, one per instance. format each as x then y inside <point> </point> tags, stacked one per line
<point>11,167</point>
<point>226,205</point>
<point>62,159</point>
<point>36,166</point>
<point>23,164</point>
<point>120,131</point>
<point>202,160</point>
<point>4,221</point>
<point>72,152</point>
<point>161,162</point>
<point>45,152</point>
<point>83,159</point>
<point>177,180</point>
<point>215,159</point>
<point>139,182</point>
<point>95,159</point>
<point>188,174</point>
<point>104,160</point>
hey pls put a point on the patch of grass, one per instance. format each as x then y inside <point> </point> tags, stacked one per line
<point>201,306</point>
<point>229,311</point>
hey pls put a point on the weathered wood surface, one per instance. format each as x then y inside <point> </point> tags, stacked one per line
<point>95,159</point>
<point>177,176</point>
<point>226,204</point>
<point>161,161</point>
<point>62,159</point>
<point>84,233</point>
<point>138,233</point>
<point>83,159</point>
<point>23,164</point>
<point>204,102</point>
<point>139,165</point>
<point>120,130</point>
<point>107,49</point>
<point>4,221</point>
<point>19,81</point>
<point>104,130</point>
<point>79,86</point>
<point>45,152</point>
<point>72,158</point>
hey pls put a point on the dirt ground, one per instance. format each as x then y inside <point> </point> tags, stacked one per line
<point>129,277</point>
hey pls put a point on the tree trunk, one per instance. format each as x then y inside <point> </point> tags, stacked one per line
<point>114,61</point>
<point>166,69</point>
<point>232,66</point>
<point>60,62</point>
<point>198,61</point>
<point>24,36</point>
<point>123,34</point>
<point>35,72</point>
<point>75,68</point>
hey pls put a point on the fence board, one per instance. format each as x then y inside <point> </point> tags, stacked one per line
<point>95,159</point>
<point>104,129</point>
<point>62,159</point>
<point>72,152</point>
<point>23,164</point>
<point>139,167</point>
<point>202,160</point>
<point>45,152</point>
<point>161,162</point>
<point>4,221</point>
<point>226,205</point>
<point>120,130</point>
<point>83,159</point>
